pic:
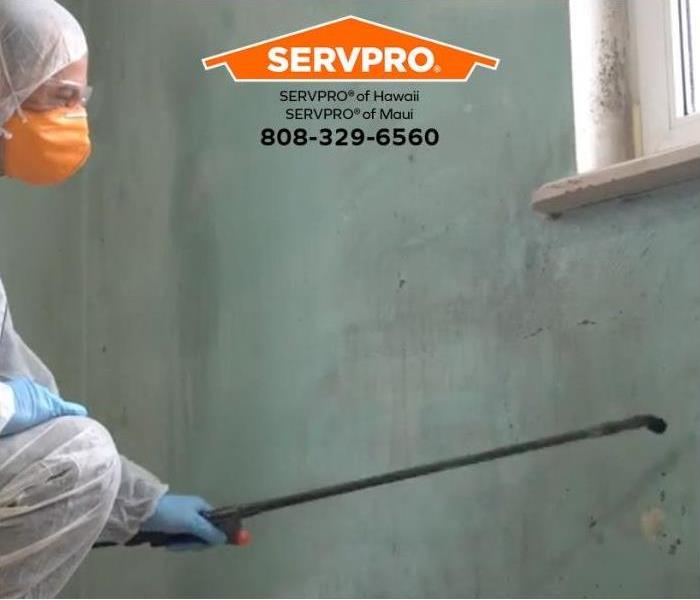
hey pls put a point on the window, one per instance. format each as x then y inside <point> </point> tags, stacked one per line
<point>636,91</point>
<point>667,36</point>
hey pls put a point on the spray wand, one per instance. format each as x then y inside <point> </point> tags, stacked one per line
<point>230,518</point>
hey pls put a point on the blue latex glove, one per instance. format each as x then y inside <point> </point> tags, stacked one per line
<point>183,514</point>
<point>34,404</point>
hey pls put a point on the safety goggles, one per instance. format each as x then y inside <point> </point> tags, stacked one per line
<point>57,93</point>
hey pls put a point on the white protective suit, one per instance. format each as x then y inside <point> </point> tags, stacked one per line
<point>63,484</point>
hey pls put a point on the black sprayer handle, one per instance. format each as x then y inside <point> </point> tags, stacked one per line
<point>228,520</point>
<point>157,539</point>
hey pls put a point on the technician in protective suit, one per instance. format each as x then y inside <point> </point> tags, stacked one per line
<point>63,485</point>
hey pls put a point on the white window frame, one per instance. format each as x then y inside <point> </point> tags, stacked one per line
<point>658,80</point>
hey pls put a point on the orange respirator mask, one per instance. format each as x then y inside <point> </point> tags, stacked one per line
<point>46,147</point>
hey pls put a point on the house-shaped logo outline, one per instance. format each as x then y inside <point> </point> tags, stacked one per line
<point>217,60</point>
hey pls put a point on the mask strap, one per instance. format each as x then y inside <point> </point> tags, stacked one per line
<point>23,117</point>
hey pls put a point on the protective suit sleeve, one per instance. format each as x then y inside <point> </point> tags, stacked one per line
<point>139,490</point>
<point>7,404</point>
<point>138,495</point>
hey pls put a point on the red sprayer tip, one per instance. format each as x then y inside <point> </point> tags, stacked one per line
<point>241,538</point>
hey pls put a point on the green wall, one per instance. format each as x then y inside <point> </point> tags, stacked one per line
<point>251,321</point>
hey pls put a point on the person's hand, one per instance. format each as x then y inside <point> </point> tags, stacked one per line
<point>183,515</point>
<point>35,404</point>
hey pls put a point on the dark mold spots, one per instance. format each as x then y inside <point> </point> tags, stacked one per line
<point>533,334</point>
<point>612,95</point>
<point>592,523</point>
<point>586,322</point>
<point>673,548</point>
<point>662,495</point>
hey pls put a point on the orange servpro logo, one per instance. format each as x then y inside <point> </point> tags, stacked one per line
<point>350,49</point>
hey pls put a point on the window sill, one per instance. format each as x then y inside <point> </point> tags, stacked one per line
<point>623,179</point>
